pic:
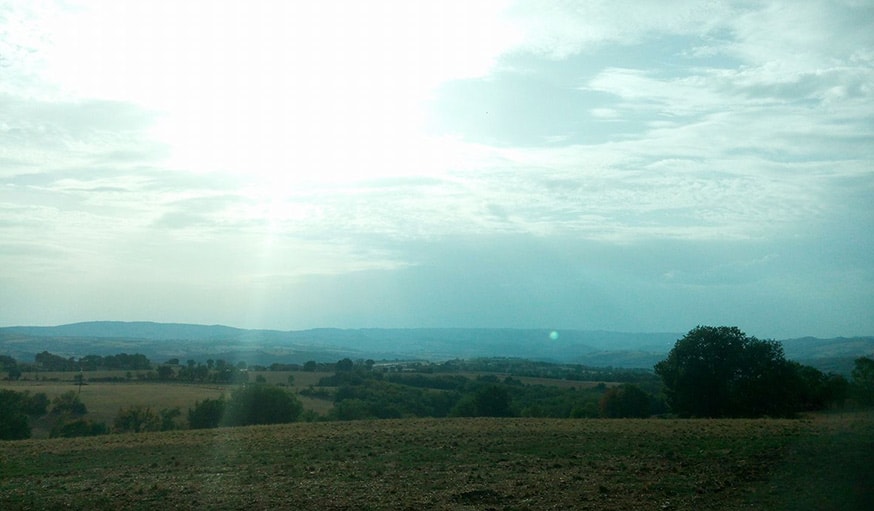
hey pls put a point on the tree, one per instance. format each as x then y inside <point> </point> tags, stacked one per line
<point>345,365</point>
<point>13,421</point>
<point>165,372</point>
<point>78,427</point>
<point>137,419</point>
<point>14,373</point>
<point>261,404</point>
<point>351,409</point>
<point>168,418</point>
<point>492,401</point>
<point>624,400</point>
<point>207,413</point>
<point>863,380</point>
<point>68,403</point>
<point>8,364</point>
<point>721,372</point>
<point>817,390</point>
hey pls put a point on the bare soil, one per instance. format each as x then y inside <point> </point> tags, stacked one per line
<point>475,464</point>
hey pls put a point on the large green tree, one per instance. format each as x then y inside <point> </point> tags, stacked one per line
<point>722,372</point>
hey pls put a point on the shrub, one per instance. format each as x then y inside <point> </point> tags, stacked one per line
<point>78,427</point>
<point>137,419</point>
<point>207,413</point>
<point>68,403</point>
<point>261,404</point>
<point>624,400</point>
<point>13,421</point>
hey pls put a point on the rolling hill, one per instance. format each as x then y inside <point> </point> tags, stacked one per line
<point>160,341</point>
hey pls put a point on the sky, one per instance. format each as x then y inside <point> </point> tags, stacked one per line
<point>641,166</point>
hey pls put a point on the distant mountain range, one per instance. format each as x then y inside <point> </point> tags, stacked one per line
<point>162,341</point>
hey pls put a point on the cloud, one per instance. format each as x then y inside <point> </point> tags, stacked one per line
<point>41,135</point>
<point>738,141</point>
<point>631,165</point>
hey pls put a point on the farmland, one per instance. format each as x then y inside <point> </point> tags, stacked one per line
<point>105,399</point>
<point>820,462</point>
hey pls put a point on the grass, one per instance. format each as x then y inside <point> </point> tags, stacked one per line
<point>105,399</point>
<point>828,469</point>
<point>501,464</point>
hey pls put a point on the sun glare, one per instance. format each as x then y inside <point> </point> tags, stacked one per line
<point>299,92</point>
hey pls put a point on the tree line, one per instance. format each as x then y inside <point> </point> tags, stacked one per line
<point>362,393</point>
<point>710,372</point>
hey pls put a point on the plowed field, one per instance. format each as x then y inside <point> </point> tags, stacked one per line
<point>483,464</point>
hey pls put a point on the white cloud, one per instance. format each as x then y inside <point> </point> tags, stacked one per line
<point>558,30</point>
<point>238,152</point>
<point>272,88</point>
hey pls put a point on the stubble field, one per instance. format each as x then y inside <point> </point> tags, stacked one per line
<point>484,464</point>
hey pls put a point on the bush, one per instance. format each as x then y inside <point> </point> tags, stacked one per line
<point>68,403</point>
<point>206,414</point>
<point>863,380</point>
<point>492,401</point>
<point>13,421</point>
<point>16,408</point>
<point>624,400</point>
<point>78,427</point>
<point>136,419</point>
<point>261,404</point>
<point>351,409</point>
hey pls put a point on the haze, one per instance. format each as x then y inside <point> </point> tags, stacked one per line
<point>627,166</point>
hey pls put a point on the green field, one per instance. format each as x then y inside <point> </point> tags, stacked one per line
<point>822,462</point>
<point>105,399</point>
